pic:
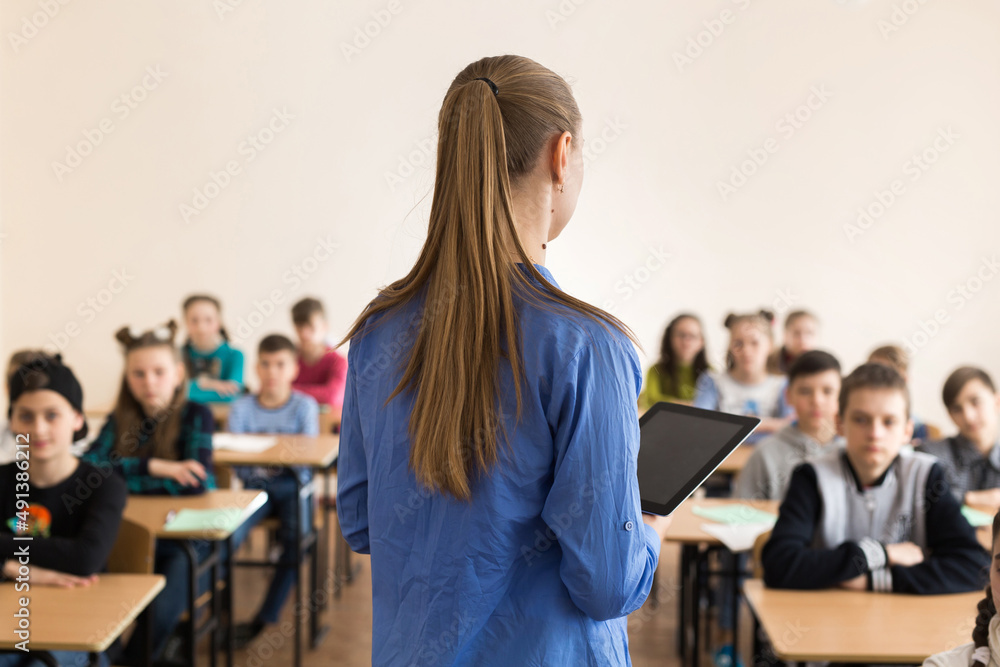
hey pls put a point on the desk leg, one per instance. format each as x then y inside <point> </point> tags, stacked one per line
<point>326,532</point>
<point>320,547</point>
<point>756,644</point>
<point>230,620</point>
<point>696,560</point>
<point>682,604</point>
<point>737,571</point>
<point>216,607</point>
<point>192,598</point>
<point>297,560</point>
<point>145,626</point>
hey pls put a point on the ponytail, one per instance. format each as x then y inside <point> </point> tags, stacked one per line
<point>487,142</point>
<point>987,610</point>
<point>981,633</point>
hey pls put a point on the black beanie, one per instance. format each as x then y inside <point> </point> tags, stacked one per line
<point>47,373</point>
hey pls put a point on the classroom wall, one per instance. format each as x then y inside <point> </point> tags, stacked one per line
<point>117,115</point>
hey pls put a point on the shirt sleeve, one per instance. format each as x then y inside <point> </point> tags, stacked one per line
<point>784,409</point>
<point>352,472</point>
<point>790,560</point>
<point>232,369</point>
<point>232,366</point>
<point>652,392</point>
<point>309,420</point>
<point>753,481</point>
<point>237,419</point>
<point>87,552</point>
<point>706,393</point>
<point>955,562</point>
<point>608,554</point>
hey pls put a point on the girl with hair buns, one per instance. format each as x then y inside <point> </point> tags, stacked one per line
<point>745,387</point>
<point>984,649</point>
<point>161,443</point>
<point>489,437</point>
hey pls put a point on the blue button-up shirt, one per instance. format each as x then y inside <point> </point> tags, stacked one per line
<point>542,566</point>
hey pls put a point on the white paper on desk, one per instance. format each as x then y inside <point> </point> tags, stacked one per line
<point>737,537</point>
<point>243,442</point>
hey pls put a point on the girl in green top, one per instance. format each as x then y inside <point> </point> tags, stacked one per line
<point>682,361</point>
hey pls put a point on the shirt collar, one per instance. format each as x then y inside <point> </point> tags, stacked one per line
<point>857,480</point>
<point>542,270</point>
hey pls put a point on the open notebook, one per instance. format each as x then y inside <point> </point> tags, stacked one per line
<point>243,442</point>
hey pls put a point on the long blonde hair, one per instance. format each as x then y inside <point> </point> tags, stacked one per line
<point>486,143</point>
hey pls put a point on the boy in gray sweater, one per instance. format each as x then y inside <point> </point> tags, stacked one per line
<point>813,388</point>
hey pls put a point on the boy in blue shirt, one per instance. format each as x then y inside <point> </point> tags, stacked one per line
<point>276,409</point>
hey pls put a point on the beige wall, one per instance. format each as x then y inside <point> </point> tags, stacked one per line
<point>351,126</point>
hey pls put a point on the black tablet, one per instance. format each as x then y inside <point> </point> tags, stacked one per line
<point>679,447</point>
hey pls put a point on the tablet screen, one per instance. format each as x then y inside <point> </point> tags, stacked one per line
<point>679,447</point>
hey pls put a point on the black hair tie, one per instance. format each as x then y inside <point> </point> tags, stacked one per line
<point>493,86</point>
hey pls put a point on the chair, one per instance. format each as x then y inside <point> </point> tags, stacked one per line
<point>329,422</point>
<point>134,549</point>
<point>758,550</point>
<point>933,433</point>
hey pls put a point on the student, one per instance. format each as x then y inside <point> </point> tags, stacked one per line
<point>276,409</point>
<point>746,388</point>
<point>801,332</point>
<point>984,649</point>
<point>870,516</point>
<point>971,459</point>
<point>322,370</point>
<point>161,443</point>
<point>682,361</point>
<point>813,388</point>
<point>74,508</point>
<point>897,357</point>
<point>7,444</point>
<point>214,369</point>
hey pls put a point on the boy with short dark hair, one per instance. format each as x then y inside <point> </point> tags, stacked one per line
<point>276,409</point>
<point>870,517</point>
<point>812,390</point>
<point>971,458</point>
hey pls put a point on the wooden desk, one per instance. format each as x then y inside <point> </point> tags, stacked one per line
<point>79,619</point>
<point>317,452</point>
<point>151,511</point>
<point>857,626</point>
<point>685,529</point>
<point>735,462</point>
<point>220,413</point>
<point>686,526</point>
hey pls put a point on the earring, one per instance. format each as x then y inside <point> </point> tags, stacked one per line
<point>544,246</point>
<point>561,186</point>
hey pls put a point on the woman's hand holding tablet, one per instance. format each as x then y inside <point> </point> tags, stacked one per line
<point>661,524</point>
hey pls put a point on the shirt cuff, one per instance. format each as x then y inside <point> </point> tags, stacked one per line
<point>880,580</point>
<point>874,552</point>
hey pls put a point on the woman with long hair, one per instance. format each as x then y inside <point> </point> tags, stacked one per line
<point>489,437</point>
